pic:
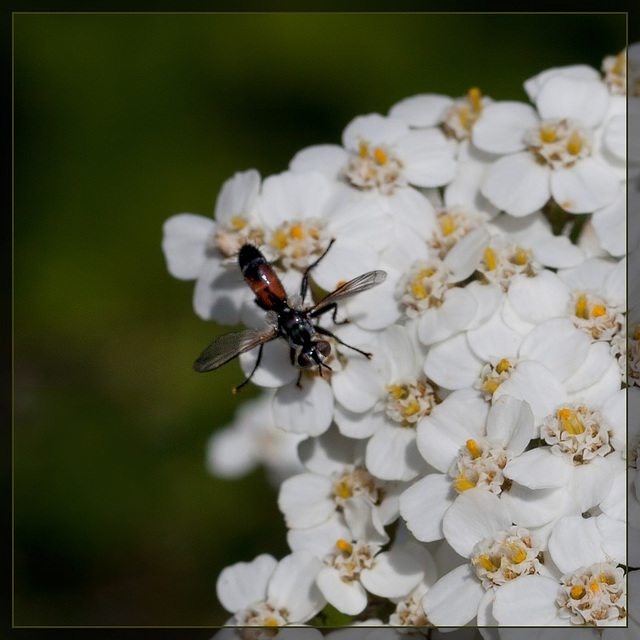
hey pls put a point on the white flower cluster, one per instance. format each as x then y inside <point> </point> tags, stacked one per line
<point>474,470</point>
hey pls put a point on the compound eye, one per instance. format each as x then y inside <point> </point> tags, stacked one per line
<point>304,360</point>
<point>324,348</point>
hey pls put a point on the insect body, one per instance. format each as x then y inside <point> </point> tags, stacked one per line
<point>286,320</point>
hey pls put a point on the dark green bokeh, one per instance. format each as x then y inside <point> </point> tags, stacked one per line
<point>120,122</point>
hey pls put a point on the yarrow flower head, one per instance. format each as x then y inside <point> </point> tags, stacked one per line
<point>454,273</point>
<point>510,553</point>
<point>594,596</point>
<point>383,163</point>
<point>577,431</point>
<point>549,152</point>
<point>590,596</point>
<point>267,593</point>
<point>456,116</point>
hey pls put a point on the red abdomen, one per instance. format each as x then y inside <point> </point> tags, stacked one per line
<point>261,277</point>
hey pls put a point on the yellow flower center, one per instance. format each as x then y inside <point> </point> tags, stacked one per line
<point>490,257</point>
<point>574,146</point>
<point>570,421</point>
<point>344,546</point>
<point>448,225</point>
<point>548,134</point>
<point>577,592</point>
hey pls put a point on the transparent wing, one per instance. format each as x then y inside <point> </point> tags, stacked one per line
<point>231,345</point>
<point>357,285</point>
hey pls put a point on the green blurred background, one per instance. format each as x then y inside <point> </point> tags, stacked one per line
<point>120,122</point>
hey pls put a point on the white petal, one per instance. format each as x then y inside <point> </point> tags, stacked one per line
<point>537,385</point>
<point>574,543</point>
<point>292,586</point>
<point>424,504</point>
<point>454,599</point>
<point>556,252</point>
<point>615,136</point>
<point>349,258</point>
<point>464,257</point>
<point>501,126</point>
<point>454,315</point>
<point>613,537</point>
<point>230,454</point>
<point>392,454</point>
<point>321,539</point>
<point>296,196</point>
<point>464,189</point>
<point>364,521</point>
<point>592,369</point>
<point>409,207</point>
<point>459,418</point>
<point>357,386</point>
<point>184,238</point>
<point>529,601</point>
<point>608,383</point>
<point>245,582</point>
<point>580,71</point>
<point>359,425</point>
<point>329,453</point>
<point>219,293</point>
<point>346,596</point>
<point>609,224</point>
<point>405,248</point>
<point>540,469</point>
<point>614,505</point>
<point>539,298</point>
<point>363,221</point>
<point>517,184</point>
<point>565,97</point>
<point>397,354</point>
<point>513,320</point>
<point>585,187</point>
<point>590,275</point>
<point>326,158</point>
<point>534,233</point>
<point>475,515</point>
<point>306,500</point>
<point>591,482</point>
<point>536,507</point>
<point>238,195</point>
<point>616,283</point>
<point>427,158</point>
<point>485,618</point>
<point>376,309</point>
<point>558,345</point>
<point>424,110</point>
<point>452,364</point>
<point>394,574</point>
<point>373,129</point>
<point>510,423</point>
<point>603,389</point>
<point>494,340</point>
<point>488,298</point>
<point>615,412</point>
<point>275,368</point>
<point>307,409</point>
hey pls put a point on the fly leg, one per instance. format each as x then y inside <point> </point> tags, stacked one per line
<point>293,355</point>
<point>255,366</point>
<point>326,332</point>
<point>304,286</point>
<point>333,307</point>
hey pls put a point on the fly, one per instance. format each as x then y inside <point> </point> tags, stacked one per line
<point>286,320</point>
